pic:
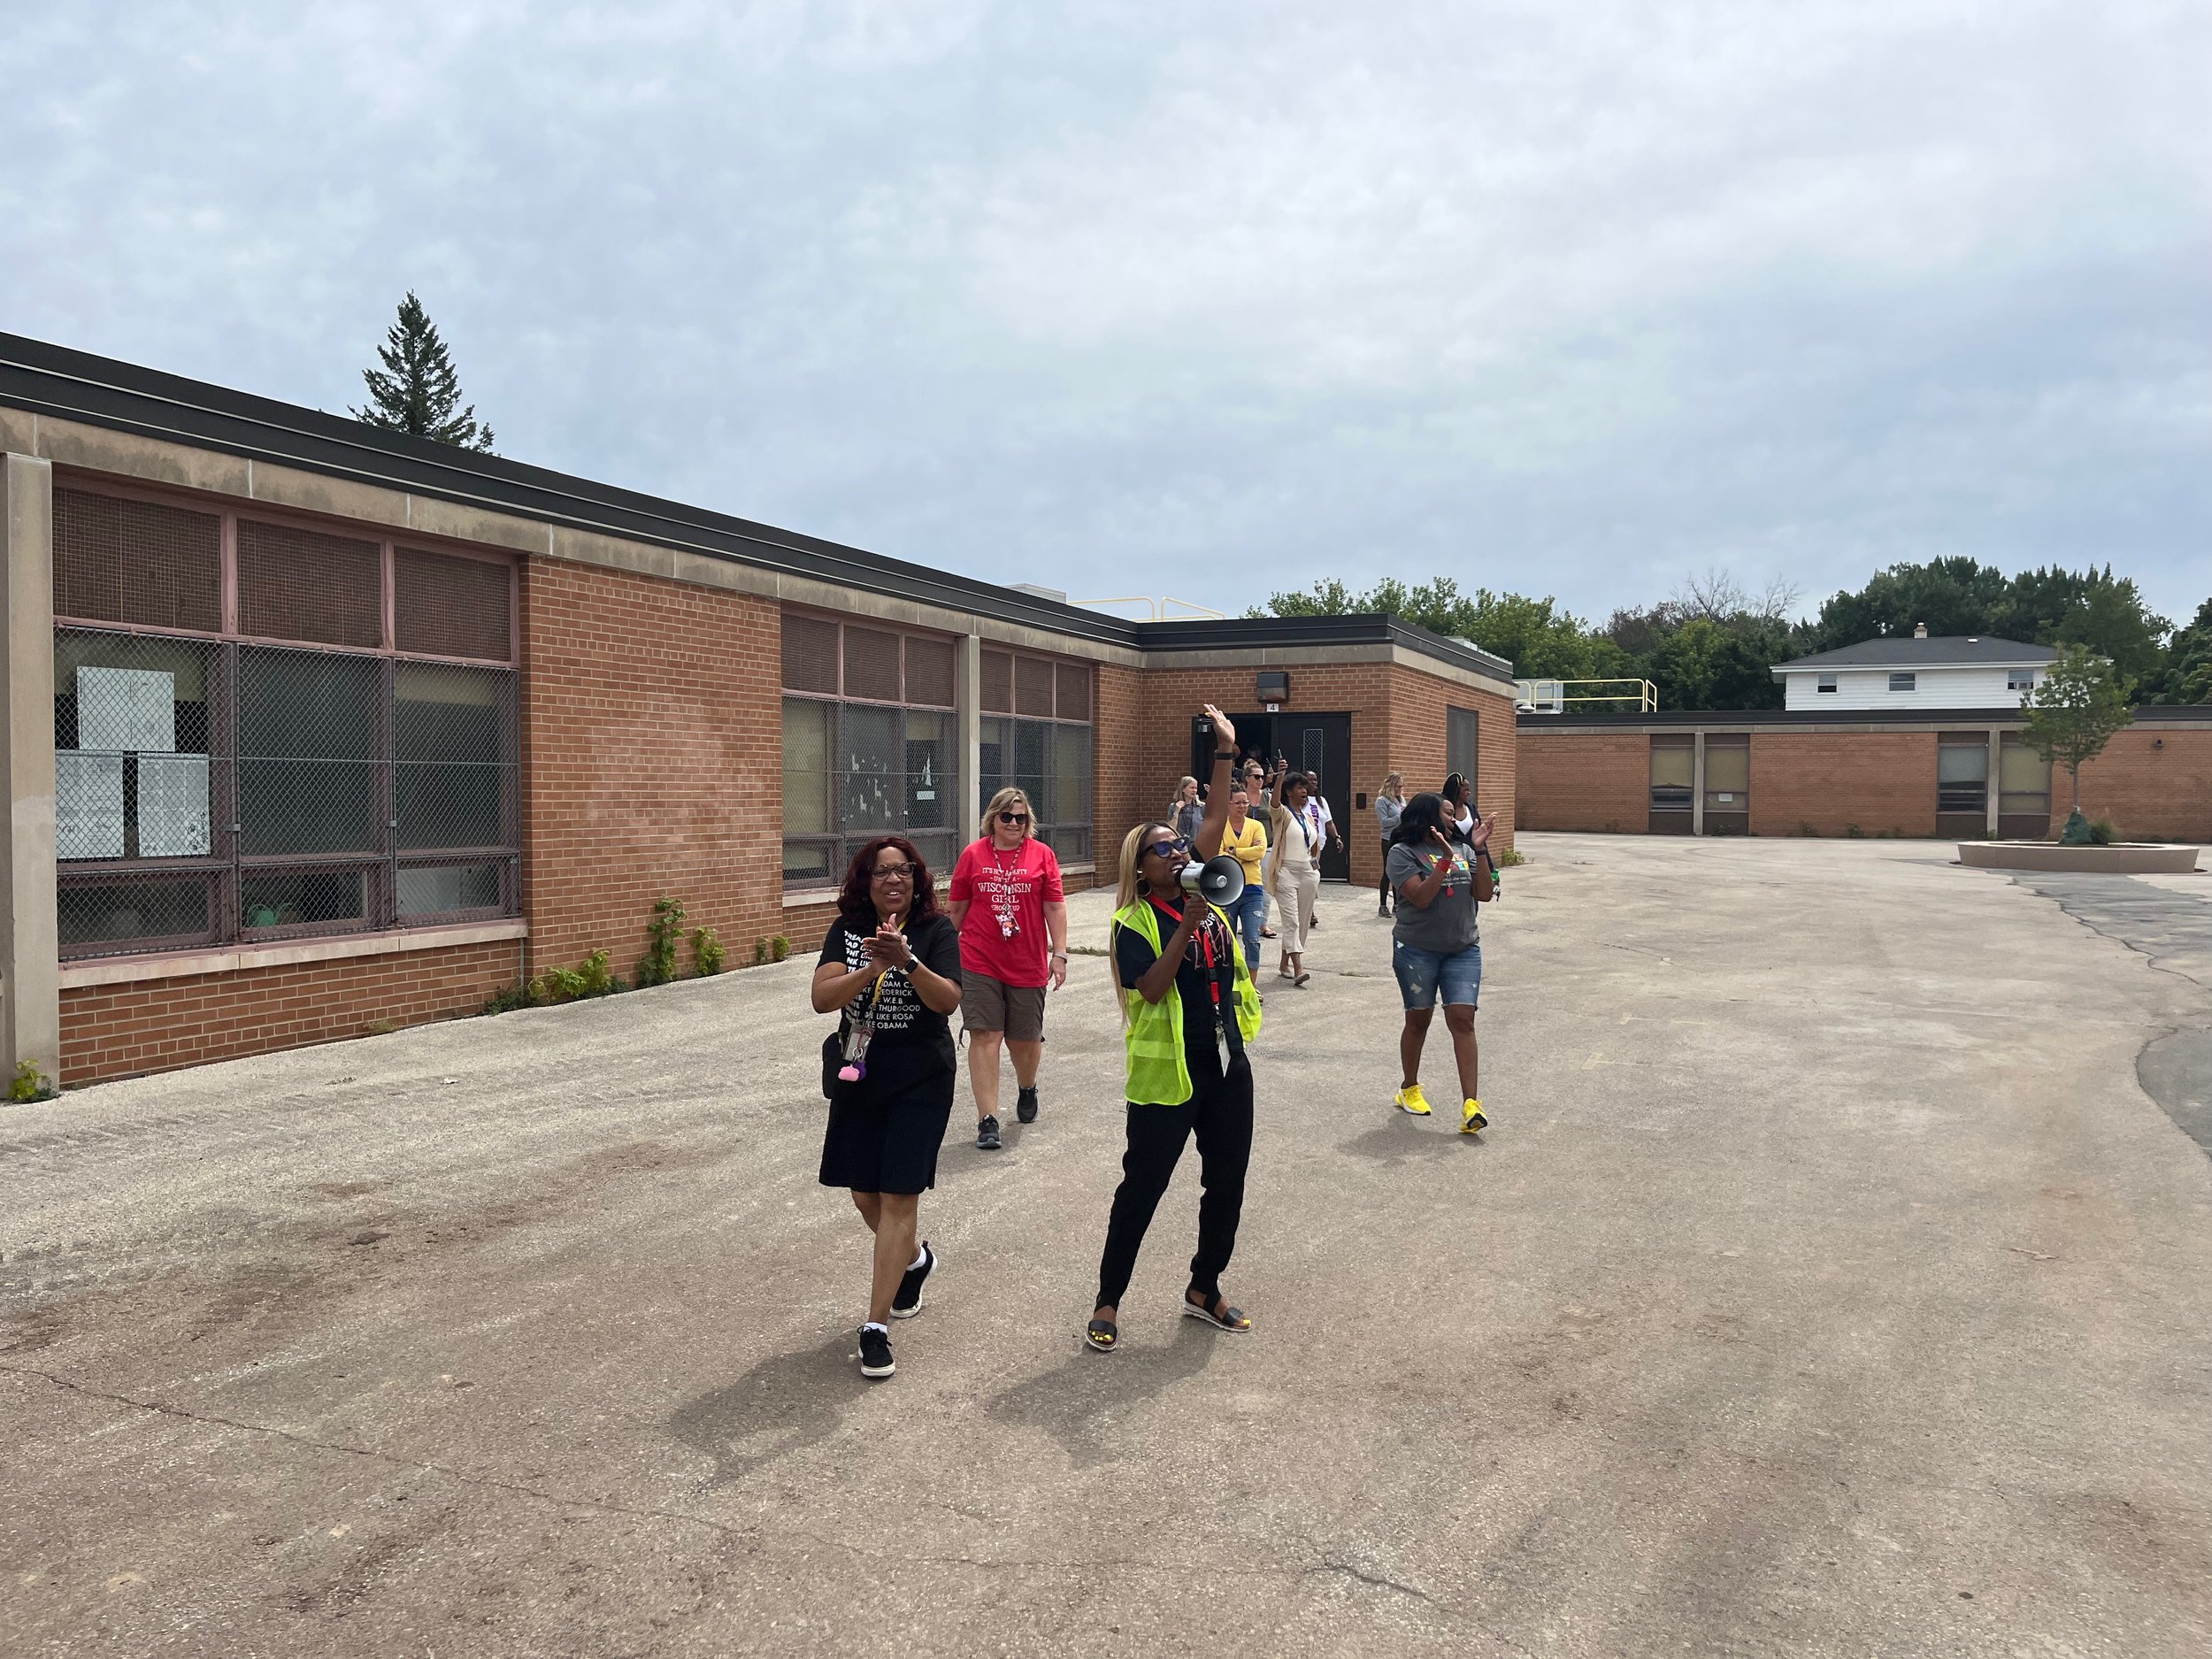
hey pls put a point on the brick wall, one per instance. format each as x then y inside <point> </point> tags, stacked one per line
<point>157,1025</point>
<point>1883,782</point>
<point>2150,794</point>
<point>1596,782</point>
<point>652,739</point>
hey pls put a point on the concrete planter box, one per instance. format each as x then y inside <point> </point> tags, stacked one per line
<point>2124,858</point>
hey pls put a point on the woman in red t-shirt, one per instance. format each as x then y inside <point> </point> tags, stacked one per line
<point>1013,918</point>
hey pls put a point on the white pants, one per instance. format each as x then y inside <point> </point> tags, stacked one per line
<point>1296,886</point>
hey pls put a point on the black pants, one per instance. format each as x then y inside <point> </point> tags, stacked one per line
<point>1220,1113</point>
<point>1384,899</point>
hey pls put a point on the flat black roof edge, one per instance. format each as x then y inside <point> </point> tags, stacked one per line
<point>2186,711</point>
<point>60,380</point>
<point>1260,632</point>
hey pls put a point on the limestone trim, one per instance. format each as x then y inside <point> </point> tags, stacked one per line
<point>178,964</point>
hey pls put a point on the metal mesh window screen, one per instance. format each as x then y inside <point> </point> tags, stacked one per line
<point>296,584</point>
<point>454,782</point>
<point>137,562</point>
<point>1033,687</point>
<point>1463,744</point>
<point>809,655</point>
<point>451,607</point>
<point>997,689</point>
<point>1074,686</point>
<point>139,799</point>
<point>311,776</point>
<point>929,673</point>
<point>871,665</point>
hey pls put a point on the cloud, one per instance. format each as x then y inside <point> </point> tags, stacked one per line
<point>1569,301</point>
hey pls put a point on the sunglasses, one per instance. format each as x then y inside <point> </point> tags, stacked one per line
<point>892,872</point>
<point>1013,817</point>
<point>1173,844</point>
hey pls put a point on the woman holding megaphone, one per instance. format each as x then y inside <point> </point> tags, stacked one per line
<point>1188,1008</point>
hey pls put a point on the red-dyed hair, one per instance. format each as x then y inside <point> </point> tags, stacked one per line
<point>855,899</point>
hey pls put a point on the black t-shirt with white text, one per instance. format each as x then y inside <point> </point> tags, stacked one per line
<point>907,1031</point>
<point>1194,983</point>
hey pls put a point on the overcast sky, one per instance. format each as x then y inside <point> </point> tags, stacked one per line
<point>1208,301</point>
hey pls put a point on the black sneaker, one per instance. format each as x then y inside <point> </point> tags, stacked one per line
<point>907,1302</point>
<point>986,1135</point>
<point>875,1354</point>
<point>1026,1104</point>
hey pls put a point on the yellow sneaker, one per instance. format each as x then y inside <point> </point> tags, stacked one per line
<point>1472,1120</point>
<point>1411,1101</point>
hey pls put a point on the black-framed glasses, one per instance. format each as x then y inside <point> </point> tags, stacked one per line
<point>1013,817</point>
<point>892,872</point>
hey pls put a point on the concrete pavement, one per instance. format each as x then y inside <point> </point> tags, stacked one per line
<point>1828,1284</point>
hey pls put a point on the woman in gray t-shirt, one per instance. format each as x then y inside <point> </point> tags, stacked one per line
<point>1440,879</point>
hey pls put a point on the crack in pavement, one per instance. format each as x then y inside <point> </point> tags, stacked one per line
<point>2172,933</point>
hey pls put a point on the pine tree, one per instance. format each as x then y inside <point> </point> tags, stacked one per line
<point>418,389</point>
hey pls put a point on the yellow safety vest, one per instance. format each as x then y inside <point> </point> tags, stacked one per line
<point>1158,1074</point>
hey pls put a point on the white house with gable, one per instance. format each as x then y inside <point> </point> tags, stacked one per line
<point>1948,672</point>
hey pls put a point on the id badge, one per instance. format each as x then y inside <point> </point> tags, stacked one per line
<point>1221,1044</point>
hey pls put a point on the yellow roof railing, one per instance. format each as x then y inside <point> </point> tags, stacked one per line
<point>1552,697</point>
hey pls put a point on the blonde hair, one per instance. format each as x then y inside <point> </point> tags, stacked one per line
<point>1278,834</point>
<point>1396,781</point>
<point>1000,802</point>
<point>1125,895</point>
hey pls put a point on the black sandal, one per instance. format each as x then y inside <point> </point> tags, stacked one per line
<point>1220,1314</point>
<point>1102,1336</point>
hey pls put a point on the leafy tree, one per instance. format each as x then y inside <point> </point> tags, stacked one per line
<point>1540,640</point>
<point>2092,608</point>
<point>1704,663</point>
<point>2186,675</point>
<point>2073,711</point>
<point>419,391</point>
<point>1951,595</point>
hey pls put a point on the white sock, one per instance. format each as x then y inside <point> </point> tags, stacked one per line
<point>918,1260</point>
<point>877,1324</point>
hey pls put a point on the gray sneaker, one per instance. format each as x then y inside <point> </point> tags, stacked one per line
<point>986,1135</point>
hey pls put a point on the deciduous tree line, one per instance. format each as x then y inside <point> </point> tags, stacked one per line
<point>1713,644</point>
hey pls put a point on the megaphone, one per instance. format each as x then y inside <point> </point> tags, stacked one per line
<point>1220,880</point>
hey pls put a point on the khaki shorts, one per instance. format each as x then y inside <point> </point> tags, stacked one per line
<point>988,1004</point>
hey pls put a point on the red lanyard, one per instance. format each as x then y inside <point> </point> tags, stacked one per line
<point>1203,939</point>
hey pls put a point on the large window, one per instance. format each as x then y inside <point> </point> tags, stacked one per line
<point>1962,773</point>
<point>2024,789</point>
<point>338,757</point>
<point>869,745</point>
<point>1036,734</point>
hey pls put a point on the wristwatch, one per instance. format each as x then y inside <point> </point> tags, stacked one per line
<point>1225,754</point>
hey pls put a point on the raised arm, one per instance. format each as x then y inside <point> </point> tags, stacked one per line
<point>1217,818</point>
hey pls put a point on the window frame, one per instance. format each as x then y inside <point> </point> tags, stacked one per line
<point>1904,679</point>
<point>227,868</point>
<point>2020,679</point>
<point>838,840</point>
<point>1826,683</point>
<point>1060,829</point>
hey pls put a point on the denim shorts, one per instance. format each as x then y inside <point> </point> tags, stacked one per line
<point>1422,973</point>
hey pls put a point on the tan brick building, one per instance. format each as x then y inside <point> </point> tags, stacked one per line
<point>315,730</point>
<point>1964,773</point>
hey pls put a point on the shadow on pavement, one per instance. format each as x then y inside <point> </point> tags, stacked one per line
<point>1081,1402</point>
<point>1403,1137</point>
<point>785,1404</point>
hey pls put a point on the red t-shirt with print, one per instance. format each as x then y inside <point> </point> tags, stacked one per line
<point>1006,893</point>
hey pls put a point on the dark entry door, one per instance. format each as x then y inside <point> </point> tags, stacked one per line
<point>1320,744</point>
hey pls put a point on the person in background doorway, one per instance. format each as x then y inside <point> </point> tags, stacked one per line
<point>1459,806</point>
<point>890,969</point>
<point>1325,835</point>
<point>1185,812</point>
<point>1258,789</point>
<point>1390,801</point>
<point>1007,901</point>
<point>1245,838</point>
<point>1293,874</point>
<point>1188,1010</point>
<point>1434,948</point>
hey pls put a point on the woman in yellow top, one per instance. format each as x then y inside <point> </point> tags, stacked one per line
<point>1245,838</point>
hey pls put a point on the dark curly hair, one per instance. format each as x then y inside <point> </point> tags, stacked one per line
<point>1425,812</point>
<point>856,902</point>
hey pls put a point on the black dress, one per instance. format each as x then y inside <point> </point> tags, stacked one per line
<point>884,1134</point>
